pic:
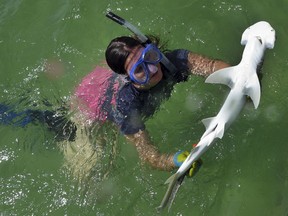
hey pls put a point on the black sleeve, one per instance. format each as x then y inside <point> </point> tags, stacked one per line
<point>179,58</point>
<point>129,106</point>
<point>132,123</point>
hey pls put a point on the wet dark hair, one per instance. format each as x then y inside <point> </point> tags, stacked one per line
<point>119,48</point>
<point>117,52</point>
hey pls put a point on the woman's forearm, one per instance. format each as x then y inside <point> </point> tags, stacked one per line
<point>149,153</point>
<point>204,66</point>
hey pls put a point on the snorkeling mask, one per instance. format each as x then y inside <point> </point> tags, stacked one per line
<point>146,64</point>
<point>150,56</point>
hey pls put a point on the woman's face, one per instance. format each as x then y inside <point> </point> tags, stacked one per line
<point>154,76</point>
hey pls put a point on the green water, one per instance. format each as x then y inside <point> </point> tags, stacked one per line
<point>245,173</point>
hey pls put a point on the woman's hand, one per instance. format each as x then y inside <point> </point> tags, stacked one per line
<point>181,156</point>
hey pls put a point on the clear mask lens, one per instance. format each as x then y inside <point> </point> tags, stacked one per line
<point>152,56</point>
<point>140,75</point>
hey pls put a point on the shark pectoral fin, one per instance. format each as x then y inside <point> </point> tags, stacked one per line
<point>222,76</point>
<point>220,130</point>
<point>252,89</point>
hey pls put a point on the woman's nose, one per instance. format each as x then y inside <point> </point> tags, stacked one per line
<point>152,68</point>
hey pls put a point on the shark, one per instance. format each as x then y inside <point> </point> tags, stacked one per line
<point>244,83</point>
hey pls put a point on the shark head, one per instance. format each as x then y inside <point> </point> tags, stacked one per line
<point>262,31</point>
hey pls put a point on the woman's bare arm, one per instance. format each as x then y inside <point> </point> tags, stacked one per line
<point>149,153</point>
<point>199,65</point>
<point>204,66</point>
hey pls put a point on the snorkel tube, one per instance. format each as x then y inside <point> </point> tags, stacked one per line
<point>141,37</point>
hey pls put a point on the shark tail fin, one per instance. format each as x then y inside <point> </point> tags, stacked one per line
<point>222,76</point>
<point>172,181</point>
<point>252,89</point>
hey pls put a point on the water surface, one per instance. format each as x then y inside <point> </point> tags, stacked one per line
<point>245,173</point>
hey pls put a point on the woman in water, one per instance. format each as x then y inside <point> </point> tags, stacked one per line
<point>134,89</point>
